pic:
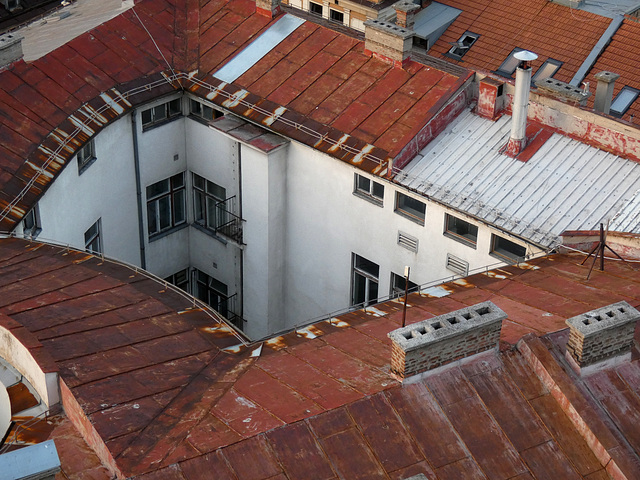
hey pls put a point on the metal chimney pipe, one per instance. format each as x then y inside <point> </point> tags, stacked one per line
<point>518,139</point>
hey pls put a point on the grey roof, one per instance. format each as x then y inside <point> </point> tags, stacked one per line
<point>566,185</point>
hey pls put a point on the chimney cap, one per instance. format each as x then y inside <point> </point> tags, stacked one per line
<point>525,56</point>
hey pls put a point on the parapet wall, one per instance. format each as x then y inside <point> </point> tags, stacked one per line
<point>446,338</point>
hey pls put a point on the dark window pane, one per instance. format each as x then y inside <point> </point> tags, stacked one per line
<point>179,207</point>
<point>157,188</point>
<point>152,217</point>
<point>164,211</point>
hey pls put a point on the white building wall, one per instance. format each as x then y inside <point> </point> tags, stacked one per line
<point>106,189</point>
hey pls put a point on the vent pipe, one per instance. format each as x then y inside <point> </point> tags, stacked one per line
<point>604,91</point>
<point>518,139</point>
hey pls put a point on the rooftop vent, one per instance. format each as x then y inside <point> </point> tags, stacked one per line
<point>604,91</point>
<point>520,109</point>
<point>445,339</point>
<point>388,41</point>
<point>602,334</point>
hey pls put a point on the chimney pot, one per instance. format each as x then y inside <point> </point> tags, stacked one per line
<point>406,13</point>
<point>604,91</point>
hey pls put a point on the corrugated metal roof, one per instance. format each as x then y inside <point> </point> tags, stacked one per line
<point>566,185</point>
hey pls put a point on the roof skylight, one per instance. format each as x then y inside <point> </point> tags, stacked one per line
<point>510,64</point>
<point>463,45</point>
<point>623,101</point>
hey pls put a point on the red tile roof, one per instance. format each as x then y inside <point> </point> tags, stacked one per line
<point>549,29</point>
<point>329,86</point>
<point>621,57</point>
<point>172,393</point>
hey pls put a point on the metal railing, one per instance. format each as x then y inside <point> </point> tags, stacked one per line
<point>228,223</point>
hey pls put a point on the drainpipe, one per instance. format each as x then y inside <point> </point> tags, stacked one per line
<point>136,163</point>
<point>241,312</point>
<point>518,139</point>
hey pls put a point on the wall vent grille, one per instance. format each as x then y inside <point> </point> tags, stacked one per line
<point>408,242</point>
<point>457,265</point>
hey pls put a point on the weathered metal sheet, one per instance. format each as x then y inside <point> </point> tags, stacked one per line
<point>565,185</point>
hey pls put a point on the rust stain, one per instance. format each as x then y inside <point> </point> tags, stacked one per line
<point>310,332</point>
<point>464,283</point>
<point>276,343</point>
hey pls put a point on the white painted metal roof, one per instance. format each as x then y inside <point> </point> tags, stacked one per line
<point>566,185</point>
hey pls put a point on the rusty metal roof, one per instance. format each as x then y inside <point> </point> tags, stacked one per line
<point>315,86</point>
<point>173,394</point>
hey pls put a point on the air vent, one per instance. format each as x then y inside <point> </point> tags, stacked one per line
<point>408,242</point>
<point>457,265</point>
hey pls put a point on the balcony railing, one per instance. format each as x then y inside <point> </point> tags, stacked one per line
<point>228,223</point>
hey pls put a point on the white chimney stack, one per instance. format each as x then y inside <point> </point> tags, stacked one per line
<point>518,139</point>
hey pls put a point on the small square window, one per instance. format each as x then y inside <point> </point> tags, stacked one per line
<point>201,110</point>
<point>506,249</point>
<point>92,238</point>
<point>547,70</point>
<point>180,279</point>
<point>31,223</point>
<point>411,208</point>
<point>336,16</point>
<point>510,64</point>
<point>460,230</point>
<point>160,113</point>
<point>315,8</point>
<point>623,101</point>
<point>399,283</point>
<point>368,189</point>
<point>462,46</point>
<point>86,156</point>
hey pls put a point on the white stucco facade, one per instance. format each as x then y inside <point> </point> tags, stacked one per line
<point>302,222</point>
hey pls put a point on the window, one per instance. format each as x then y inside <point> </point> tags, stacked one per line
<point>410,208</point>
<point>398,284</point>
<point>92,241</point>
<point>623,101</point>
<point>315,8</point>
<point>510,64</point>
<point>547,70</point>
<point>203,111</point>
<point>213,292</point>
<point>166,204</point>
<point>463,45</point>
<point>31,223</point>
<point>209,207</point>
<point>86,156</point>
<point>460,230</point>
<point>506,249</point>
<point>160,113</point>
<point>336,16</point>
<point>364,281</point>
<point>368,189</point>
<point>180,279</point>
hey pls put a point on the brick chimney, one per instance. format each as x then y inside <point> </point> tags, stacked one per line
<point>604,334</point>
<point>10,49</point>
<point>268,8</point>
<point>388,42</point>
<point>604,91</point>
<point>406,13</point>
<point>444,339</point>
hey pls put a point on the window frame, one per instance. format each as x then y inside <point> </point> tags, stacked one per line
<point>86,156</point>
<point>620,113</point>
<point>463,48</point>
<point>199,110</point>
<point>171,193</point>
<point>450,232</point>
<point>396,290</point>
<point>549,61</point>
<point>318,6</point>
<point>96,236</point>
<point>338,12</point>
<point>211,286</point>
<point>221,215</point>
<point>504,254</point>
<point>369,192</point>
<point>34,216</point>
<point>371,281</point>
<point>507,61</point>
<point>175,280</point>
<point>408,211</point>
<point>171,110</point>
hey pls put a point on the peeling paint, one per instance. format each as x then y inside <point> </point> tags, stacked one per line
<point>235,99</point>
<point>276,343</point>
<point>309,332</point>
<point>374,312</point>
<point>88,131</point>
<point>339,143</point>
<point>112,104</point>
<point>234,348</point>
<point>436,292</point>
<point>216,91</point>
<point>360,156</point>
<point>527,266</point>
<point>336,322</point>
<point>256,351</point>
<point>275,116</point>
<point>464,283</point>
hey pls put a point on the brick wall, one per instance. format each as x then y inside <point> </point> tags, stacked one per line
<point>601,334</point>
<point>444,339</point>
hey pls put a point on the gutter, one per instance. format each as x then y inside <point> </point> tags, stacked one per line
<point>136,163</point>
